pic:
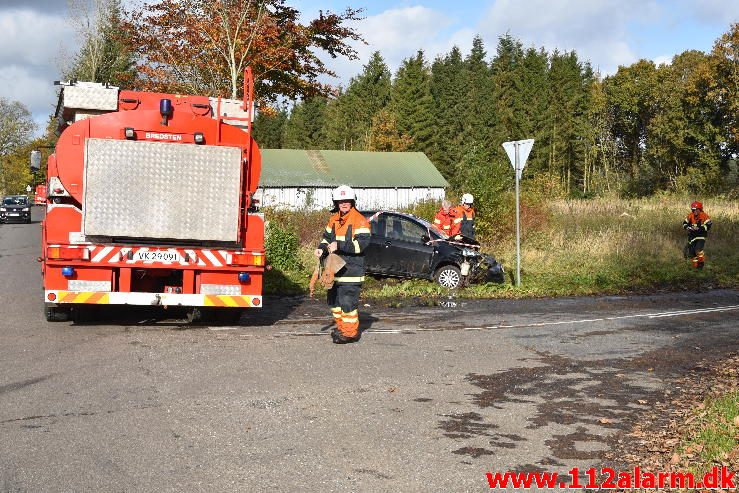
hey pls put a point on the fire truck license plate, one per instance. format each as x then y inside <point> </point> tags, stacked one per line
<point>158,256</point>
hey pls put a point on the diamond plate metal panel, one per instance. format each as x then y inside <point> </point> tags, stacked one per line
<point>78,285</point>
<point>141,189</point>
<point>229,289</point>
<point>91,96</point>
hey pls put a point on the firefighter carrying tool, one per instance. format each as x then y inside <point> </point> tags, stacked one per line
<point>697,224</point>
<point>464,223</point>
<point>444,219</point>
<point>347,234</point>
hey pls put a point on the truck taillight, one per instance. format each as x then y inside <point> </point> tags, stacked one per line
<point>246,259</point>
<point>65,253</point>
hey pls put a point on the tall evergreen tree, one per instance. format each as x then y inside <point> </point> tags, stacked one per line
<point>448,89</point>
<point>480,109</point>
<point>535,98</point>
<point>412,104</point>
<point>507,74</point>
<point>304,127</point>
<point>269,128</point>
<point>352,112</point>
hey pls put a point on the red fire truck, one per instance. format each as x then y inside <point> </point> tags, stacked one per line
<point>39,197</point>
<point>150,203</point>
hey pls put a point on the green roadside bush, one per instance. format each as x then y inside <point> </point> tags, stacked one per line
<point>281,245</point>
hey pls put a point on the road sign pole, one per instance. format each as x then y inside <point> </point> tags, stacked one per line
<point>518,152</point>
<point>518,222</point>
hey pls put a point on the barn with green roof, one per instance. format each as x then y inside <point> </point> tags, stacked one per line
<point>300,179</point>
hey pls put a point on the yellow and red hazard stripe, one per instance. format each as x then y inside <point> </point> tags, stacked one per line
<point>90,298</point>
<point>231,301</point>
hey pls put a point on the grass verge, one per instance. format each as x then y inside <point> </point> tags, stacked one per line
<point>571,248</point>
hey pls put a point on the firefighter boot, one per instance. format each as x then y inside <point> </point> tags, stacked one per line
<point>350,322</point>
<point>336,331</point>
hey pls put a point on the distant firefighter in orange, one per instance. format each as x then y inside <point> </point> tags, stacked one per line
<point>697,224</point>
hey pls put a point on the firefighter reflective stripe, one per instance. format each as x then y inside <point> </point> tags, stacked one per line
<point>88,298</point>
<point>349,279</point>
<point>328,230</point>
<point>362,231</point>
<point>457,220</point>
<point>351,317</point>
<point>357,248</point>
<point>336,312</point>
<point>697,238</point>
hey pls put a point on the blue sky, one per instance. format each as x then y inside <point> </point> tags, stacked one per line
<point>37,36</point>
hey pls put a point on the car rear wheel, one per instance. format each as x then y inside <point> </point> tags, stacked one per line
<point>449,277</point>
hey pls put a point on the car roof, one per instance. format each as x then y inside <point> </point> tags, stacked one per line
<point>403,214</point>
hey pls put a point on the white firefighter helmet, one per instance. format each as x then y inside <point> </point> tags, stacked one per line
<point>343,192</point>
<point>467,198</point>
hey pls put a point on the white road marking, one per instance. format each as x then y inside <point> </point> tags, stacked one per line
<point>622,317</point>
<point>675,313</point>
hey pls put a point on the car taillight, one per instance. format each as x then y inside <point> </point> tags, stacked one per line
<point>65,253</point>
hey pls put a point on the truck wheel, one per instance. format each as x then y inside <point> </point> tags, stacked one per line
<point>215,316</point>
<point>229,316</point>
<point>56,314</point>
<point>449,277</point>
<point>85,314</point>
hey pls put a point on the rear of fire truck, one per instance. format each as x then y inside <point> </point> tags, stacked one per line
<point>150,203</point>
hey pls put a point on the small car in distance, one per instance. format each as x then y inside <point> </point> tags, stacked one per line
<point>15,208</point>
<point>406,246</point>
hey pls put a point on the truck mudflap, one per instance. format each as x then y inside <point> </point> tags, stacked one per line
<point>152,299</point>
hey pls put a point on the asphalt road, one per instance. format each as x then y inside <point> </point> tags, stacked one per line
<point>431,399</point>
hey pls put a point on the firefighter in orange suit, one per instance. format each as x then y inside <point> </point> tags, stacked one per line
<point>464,223</point>
<point>347,234</point>
<point>697,224</point>
<point>444,219</point>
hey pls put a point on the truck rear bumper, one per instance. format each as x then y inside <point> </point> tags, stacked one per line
<point>151,299</point>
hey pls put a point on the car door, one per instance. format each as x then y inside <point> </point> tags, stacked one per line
<point>375,260</point>
<point>406,253</point>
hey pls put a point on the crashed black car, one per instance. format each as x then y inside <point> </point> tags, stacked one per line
<point>407,246</point>
<point>15,208</point>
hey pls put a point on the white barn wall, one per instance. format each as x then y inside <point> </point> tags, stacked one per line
<point>299,198</point>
